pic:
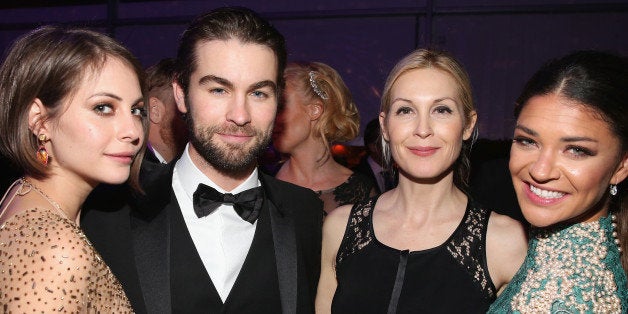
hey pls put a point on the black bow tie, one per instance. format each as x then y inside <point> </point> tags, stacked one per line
<point>247,203</point>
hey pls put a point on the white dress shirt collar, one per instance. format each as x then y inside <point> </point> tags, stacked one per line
<point>157,154</point>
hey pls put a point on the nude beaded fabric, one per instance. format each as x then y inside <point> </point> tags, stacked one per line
<point>47,265</point>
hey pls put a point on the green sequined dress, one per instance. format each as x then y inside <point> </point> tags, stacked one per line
<point>569,269</point>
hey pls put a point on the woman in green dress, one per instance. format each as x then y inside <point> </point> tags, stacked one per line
<point>568,160</point>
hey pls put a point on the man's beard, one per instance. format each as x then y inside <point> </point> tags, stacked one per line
<point>176,134</point>
<point>230,159</point>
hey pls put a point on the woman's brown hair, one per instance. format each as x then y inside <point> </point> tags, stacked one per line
<point>49,64</point>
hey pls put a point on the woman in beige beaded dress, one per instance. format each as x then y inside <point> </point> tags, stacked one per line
<point>71,116</point>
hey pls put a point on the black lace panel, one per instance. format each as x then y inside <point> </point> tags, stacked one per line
<point>358,232</point>
<point>467,246</point>
<point>357,188</point>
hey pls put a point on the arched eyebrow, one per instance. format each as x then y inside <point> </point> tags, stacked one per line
<point>565,139</point>
<point>212,78</point>
<point>435,100</point>
<point>228,84</point>
<point>116,97</point>
<point>401,99</point>
<point>526,130</point>
<point>445,98</point>
<point>262,84</point>
<point>577,139</point>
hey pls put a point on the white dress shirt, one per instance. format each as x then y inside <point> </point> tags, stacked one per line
<point>157,154</point>
<point>222,238</point>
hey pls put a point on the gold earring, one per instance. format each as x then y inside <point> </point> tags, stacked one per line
<point>42,153</point>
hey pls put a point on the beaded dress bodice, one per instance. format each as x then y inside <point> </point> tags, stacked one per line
<point>568,269</point>
<point>47,265</point>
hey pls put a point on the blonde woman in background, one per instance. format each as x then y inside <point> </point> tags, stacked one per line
<point>318,111</point>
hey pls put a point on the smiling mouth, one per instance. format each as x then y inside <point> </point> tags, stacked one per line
<point>236,135</point>
<point>545,193</point>
<point>123,158</point>
<point>424,151</point>
<point>236,138</point>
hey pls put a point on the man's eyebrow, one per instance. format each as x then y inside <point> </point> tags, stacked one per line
<point>212,78</point>
<point>262,84</point>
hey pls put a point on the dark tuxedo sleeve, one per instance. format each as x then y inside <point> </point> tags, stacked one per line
<point>364,168</point>
<point>307,209</point>
<point>309,235</point>
<point>308,227</point>
<point>491,186</point>
<point>105,220</point>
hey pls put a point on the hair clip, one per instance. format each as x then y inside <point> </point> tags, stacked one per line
<point>315,87</point>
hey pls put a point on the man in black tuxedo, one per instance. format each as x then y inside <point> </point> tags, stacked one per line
<point>371,163</point>
<point>184,246</point>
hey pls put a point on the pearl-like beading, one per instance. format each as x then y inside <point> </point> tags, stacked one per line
<point>570,274</point>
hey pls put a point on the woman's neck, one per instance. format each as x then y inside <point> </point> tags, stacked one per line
<point>63,193</point>
<point>313,168</point>
<point>416,197</point>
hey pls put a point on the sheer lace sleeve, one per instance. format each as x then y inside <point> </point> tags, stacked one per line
<point>47,265</point>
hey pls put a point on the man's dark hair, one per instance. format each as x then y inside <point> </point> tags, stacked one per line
<point>372,132</point>
<point>223,24</point>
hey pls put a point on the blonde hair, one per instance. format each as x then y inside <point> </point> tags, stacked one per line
<point>442,61</point>
<point>340,121</point>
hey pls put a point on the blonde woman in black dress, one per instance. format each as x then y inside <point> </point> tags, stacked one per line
<point>424,246</point>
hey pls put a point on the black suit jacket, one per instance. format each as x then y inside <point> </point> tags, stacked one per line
<point>364,168</point>
<point>491,186</point>
<point>132,235</point>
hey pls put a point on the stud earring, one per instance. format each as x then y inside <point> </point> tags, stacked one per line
<point>42,154</point>
<point>613,189</point>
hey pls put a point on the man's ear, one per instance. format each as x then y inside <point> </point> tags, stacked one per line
<point>37,115</point>
<point>157,108</point>
<point>179,96</point>
<point>468,131</point>
<point>315,110</point>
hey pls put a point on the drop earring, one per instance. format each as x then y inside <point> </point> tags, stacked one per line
<point>613,189</point>
<point>42,153</point>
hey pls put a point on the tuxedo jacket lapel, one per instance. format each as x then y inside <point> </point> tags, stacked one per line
<point>284,240</point>
<point>150,229</point>
<point>151,245</point>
